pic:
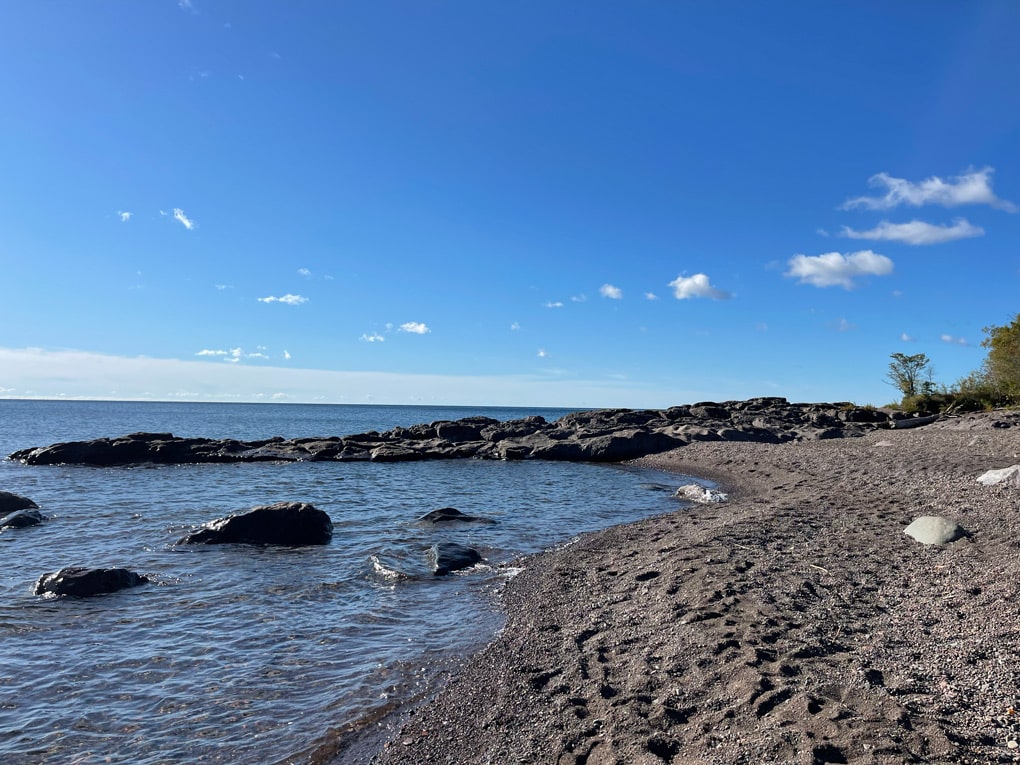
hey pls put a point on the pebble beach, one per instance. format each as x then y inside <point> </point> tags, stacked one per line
<point>794,623</point>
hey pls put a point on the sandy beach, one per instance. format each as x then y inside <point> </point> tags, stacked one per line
<point>795,623</point>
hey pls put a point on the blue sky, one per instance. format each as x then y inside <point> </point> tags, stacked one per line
<point>529,203</point>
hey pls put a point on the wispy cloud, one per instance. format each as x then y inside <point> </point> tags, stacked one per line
<point>286,354</point>
<point>697,286</point>
<point>907,338</point>
<point>651,296</point>
<point>514,326</point>
<point>287,299</point>
<point>304,272</point>
<point>124,215</point>
<point>611,292</point>
<point>834,268</point>
<point>375,337</point>
<point>554,304</point>
<point>542,353</point>
<point>183,219</point>
<point>954,340</point>
<point>415,328</point>
<point>208,352</point>
<point>222,287</point>
<point>917,232</point>
<point>235,355</point>
<point>844,326</point>
<point>185,5</point>
<point>577,298</point>
<point>972,188</point>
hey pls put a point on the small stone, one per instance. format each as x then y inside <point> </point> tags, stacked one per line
<point>1012,744</point>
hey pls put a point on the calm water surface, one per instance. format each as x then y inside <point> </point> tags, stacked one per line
<point>247,654</point>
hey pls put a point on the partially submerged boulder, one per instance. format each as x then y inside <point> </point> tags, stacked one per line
<point>452,514</point>
<point>701,494</point>
<point>9,503</point>
<point>447,557</point>
<point>285,523</point>
<point>77,581</point>
<point>934,530</point>
<point>21,519</point>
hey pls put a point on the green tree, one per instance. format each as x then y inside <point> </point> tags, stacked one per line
<point>1001,369</point>
<point>910,375</point>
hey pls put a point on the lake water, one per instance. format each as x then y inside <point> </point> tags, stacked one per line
<point>248,654</point>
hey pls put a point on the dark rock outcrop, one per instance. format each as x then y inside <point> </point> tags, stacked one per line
<point>21,519</point>
<point>451,514</point>
<point>82,582</point>
<point>602,435</point>
<point>10,502</point>
<point>447,557</point>
<point>285,523</point>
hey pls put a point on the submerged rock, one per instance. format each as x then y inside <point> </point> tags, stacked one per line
<point>11,502</point>
<point>448,514</point>
<point>81,582</point>
<point>447,557</point>
<point>285,523</point>
<point>20,519</point>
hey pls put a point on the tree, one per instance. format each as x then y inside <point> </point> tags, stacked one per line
<point>1001,370</point>
<point>910,374</point>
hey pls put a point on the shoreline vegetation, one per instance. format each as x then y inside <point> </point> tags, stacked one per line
<point>796,623</point>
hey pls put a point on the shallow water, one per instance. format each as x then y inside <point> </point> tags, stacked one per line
<point>247,654</point>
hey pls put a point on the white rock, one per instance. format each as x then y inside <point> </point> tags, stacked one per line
<point>934,530</point>
<point>696,493</point>
<point>993,477</point>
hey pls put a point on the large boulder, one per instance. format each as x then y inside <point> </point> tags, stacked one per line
<point>10,502</point>
<point>81,582</point>
<point>20,519</point>
<point>285,523</point>
<point>447,557</point>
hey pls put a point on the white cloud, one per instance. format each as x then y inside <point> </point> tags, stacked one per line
<point>208,352</point>
<point>542,354</point>
<point>286,354</point>
<point>224,286</point>
<point>821,232</point>
<point>917,232</point>
<point>235,355</point>
<point>304,272</point>
<point>973,188</point>
<point>954,340</point>
<point>38,373</point>
<point>124,216</point>
<point>651,296</point>
<point>611,292</point>
<point>554,304</point>
<point>185,5</point>
<point>576,299</point>
<point>907,338</point>
<point>415,328</point>
<point>287,299</point>
<point>834,268</point>
<point>183,219</point>
<point>845,326</point>
<point>515,326</point>
<point>696,286</point>
<point>373,338</point>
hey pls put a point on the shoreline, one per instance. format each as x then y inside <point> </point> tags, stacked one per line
<point>796,623</point>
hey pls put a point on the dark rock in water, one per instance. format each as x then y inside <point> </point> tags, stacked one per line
<point>447,514</point>
<point>285,523</point>
<point>599,435</point>
<point>446,557</point>
<point>86,582</point>
<point>10,502</point>
<point>20,519</point>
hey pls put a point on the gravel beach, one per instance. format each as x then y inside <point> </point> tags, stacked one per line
<point>794,623</point>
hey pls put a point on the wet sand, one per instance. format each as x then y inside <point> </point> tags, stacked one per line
<point>795,623</point>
